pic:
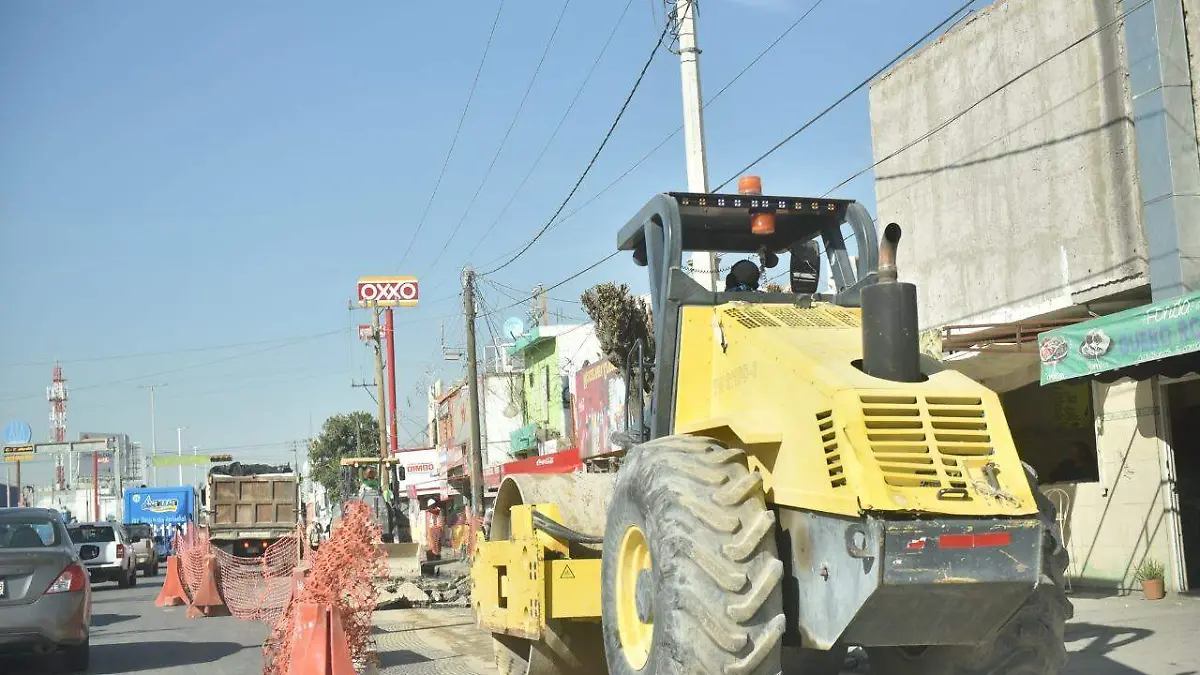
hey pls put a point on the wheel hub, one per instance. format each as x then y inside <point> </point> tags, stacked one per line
<point>644,595</point>
<point>635,595</point>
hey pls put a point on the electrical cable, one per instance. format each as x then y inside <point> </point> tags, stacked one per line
<point>554,134</point>
<point>858,87</point>
<point>667,138</point>
<point>503,141</point>
<point>955,117</point>
<point>169,352</point>
<point>604,142</point>
<point>187,367</point>
<point>458,130</point>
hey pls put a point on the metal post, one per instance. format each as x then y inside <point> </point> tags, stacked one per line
<point>153,434</point>
<point>390,334</point>
<point>20,492</point>
<point>473,390</point>
<point>179,450</point>
<point>383,443</point>
<point>95,486</point>
<point>706,264</point>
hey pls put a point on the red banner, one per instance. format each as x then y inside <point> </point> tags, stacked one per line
<point>599,408</point>
<point>565,461</point>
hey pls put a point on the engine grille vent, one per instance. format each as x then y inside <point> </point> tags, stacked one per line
<point>777,316</point>
<point>923,441</point>
<point>833,454</point>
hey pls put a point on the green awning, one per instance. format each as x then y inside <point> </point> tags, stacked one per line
<point>530,338</point>
<point>1151,332</point>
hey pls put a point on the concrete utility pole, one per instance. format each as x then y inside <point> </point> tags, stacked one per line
<point>383,439</point>
<point>473,391</point>
<point>705,265</point>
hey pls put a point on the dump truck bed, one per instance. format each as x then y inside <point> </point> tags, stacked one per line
<point>248,507</point>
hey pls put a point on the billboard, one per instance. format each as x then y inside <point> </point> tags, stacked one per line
<point>420,470</point>
<point>599,408</point>
<point>387,291</point>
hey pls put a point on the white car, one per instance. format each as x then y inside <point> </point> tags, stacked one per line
<point>106,551</point>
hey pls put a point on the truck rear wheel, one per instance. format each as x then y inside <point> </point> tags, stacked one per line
<point>690,571</point>
<point>1031,643</point>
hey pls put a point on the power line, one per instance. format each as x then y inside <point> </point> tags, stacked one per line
<point>188,367</point>
<point>787,31</point>
<point>787,139</point>
<point>458,130</point>
<point>554,134</point>
<point>612,128</point>
<point>504,140</point>
<point>955,117</point>
<point>169,352</point>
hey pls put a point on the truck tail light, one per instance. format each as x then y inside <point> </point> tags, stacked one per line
<point>120,551</point>
<point>72,579</point>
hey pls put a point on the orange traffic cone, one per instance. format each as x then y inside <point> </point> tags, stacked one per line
<point>299,576</point>
<point>319,645</point>
<point>207,600</point>
<point>172,593</point>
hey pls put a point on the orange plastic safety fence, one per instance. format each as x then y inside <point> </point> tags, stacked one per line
<point>342,574</point>
<point>253,588</point>
<point>259,587</point>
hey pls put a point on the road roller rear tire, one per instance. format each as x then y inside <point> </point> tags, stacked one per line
<point>691,574</point>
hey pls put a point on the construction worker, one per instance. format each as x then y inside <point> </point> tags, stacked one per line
<point>742,277</point>
<point>434,526</point>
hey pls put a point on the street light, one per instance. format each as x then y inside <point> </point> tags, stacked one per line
<point>179,450</point>
<point>153,436</point>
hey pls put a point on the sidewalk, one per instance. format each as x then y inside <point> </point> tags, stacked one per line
<point>1109,636</point>
<point>1133,636</point>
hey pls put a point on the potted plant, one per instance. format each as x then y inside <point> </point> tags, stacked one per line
<point>1151,574</point>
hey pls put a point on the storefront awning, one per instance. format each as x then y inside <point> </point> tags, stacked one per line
<point>1161,338</point>
<point>565,461</point>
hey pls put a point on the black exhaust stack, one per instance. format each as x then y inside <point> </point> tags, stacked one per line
<point>891,343</point>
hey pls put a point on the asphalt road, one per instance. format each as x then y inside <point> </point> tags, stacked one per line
<point>131,635</point>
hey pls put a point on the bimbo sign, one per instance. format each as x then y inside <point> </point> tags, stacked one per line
<point>387,291</point>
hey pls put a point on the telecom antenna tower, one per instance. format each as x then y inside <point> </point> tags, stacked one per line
<point>56,394</point>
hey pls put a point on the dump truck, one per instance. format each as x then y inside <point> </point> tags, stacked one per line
<point>800,479</point>
<point>250,506</point>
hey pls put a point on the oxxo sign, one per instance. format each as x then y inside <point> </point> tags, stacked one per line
<point>387,291</point>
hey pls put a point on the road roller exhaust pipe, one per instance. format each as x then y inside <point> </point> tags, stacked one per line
<point>891,343</point>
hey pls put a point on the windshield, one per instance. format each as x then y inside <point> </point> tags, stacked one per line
<point>28,532</point>
<point>139,530</point>
<point>91,534</point>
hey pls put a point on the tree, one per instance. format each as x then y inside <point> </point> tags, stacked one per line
<point>348,435</point>
<point>620,320</point>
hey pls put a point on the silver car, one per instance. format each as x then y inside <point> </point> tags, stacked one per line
<point>45,594</point>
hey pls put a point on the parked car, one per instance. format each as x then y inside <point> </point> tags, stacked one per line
<point>106,551</point>
<point>45,595</point>
<point>145,550</point>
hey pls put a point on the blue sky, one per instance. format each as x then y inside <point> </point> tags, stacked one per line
<point>195,187</point>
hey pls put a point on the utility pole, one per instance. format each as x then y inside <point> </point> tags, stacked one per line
<point>153,435</point>
<point>390,334</point>
<point>705,265</point>
<point>473,391</point>
<point>383,441</point>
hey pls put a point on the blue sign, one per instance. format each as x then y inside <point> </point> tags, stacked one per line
<point>16,433</point>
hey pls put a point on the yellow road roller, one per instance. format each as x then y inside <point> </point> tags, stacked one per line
<point>800,480</point>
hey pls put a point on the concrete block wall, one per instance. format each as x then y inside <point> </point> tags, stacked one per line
<point>1029,202</point>
<point>1113,525</point>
